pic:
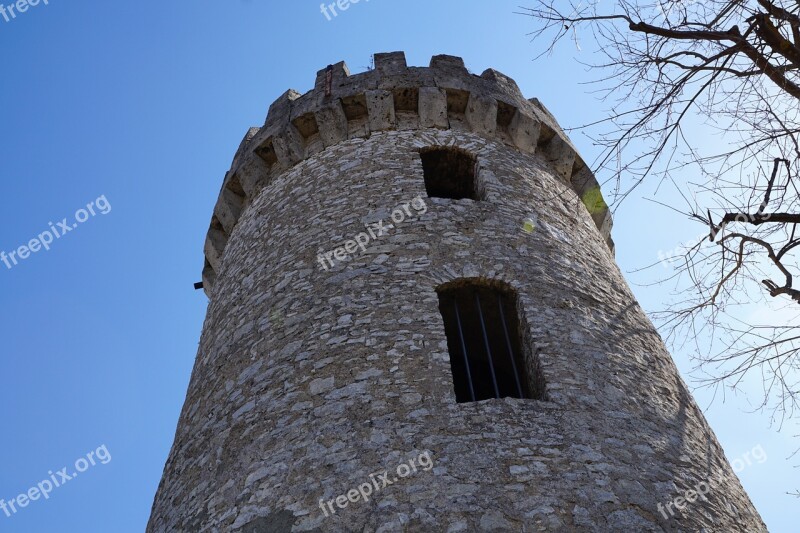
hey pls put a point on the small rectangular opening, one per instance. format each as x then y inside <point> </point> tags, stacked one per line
<point>449,173</point>
<point>483,339</point>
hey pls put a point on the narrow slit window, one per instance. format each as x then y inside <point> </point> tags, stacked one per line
<point>483,338</point>
<point>449,173</point>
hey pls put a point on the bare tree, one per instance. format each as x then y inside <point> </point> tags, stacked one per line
<point>670,68</point>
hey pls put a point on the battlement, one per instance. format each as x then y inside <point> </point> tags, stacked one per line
<point>393,96</point>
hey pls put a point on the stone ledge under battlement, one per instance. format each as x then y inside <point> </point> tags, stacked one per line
<point>394,96</point>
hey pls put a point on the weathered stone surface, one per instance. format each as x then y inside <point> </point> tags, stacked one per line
<point>216,241</point>
<point>307,380</point>
<point>332,124</point>
<point>253,175</point>
<point>433,108</point>
<point>380,107</point>
<point>524,130</point>
<point>481,114</point>
<point>229,209</point>
<point>391,63</point>
<point>561,155</point>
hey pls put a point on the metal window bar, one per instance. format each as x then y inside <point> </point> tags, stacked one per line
<point>464,350</point>
<point>508,344</point>
<point>486,343</point>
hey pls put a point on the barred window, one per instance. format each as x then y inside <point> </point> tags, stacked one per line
<point>483,338</point>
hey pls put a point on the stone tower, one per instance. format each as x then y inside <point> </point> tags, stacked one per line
<point>334,384</point>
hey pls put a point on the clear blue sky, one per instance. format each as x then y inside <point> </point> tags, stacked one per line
<point>145,103</point>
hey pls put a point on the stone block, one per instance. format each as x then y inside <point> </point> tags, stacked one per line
<point>228,209</point>
<point>380,109</point>
<point>216,240</point>
<point>524,131</point>
<point>433,108</point>
<point>289,146</point>
<point>481,114</point>
<point>561,155</point>
<point>390,63</point>
<point>332,123</point>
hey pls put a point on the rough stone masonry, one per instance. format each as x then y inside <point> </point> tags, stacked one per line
<point>308,381</point>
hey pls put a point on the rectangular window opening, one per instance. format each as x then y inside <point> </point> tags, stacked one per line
<point>483,338</point>
<point>449,173</point>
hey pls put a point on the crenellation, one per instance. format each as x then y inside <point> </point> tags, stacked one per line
<point>411,77</point>
<point>248,137</point>
<point>393,96</point>
<point>390,63</point>
<point>330,78</point>
<point>279,111</point>
<point>446,62</point>
<point>505,83</point>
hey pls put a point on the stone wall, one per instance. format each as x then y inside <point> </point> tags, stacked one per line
<point>308,380</point>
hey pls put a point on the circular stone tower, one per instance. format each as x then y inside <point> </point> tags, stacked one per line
<point>416,324</point>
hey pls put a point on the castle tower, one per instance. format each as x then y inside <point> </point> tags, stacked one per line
<point>416,324</point>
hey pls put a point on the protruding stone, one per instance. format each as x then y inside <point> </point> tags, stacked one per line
<point>561,155</point>
<point>598,209</point>
<point>481,114</point>
<point>216,240</point>
<point>524,131</point>
<point>332,124</point>
<point>228,209</point>
<point>433,108</point>
<point>253,174</point>
<point>390,63</point>
<point>209,279</point>
<point>289,146</point>
<point>380,109</point>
